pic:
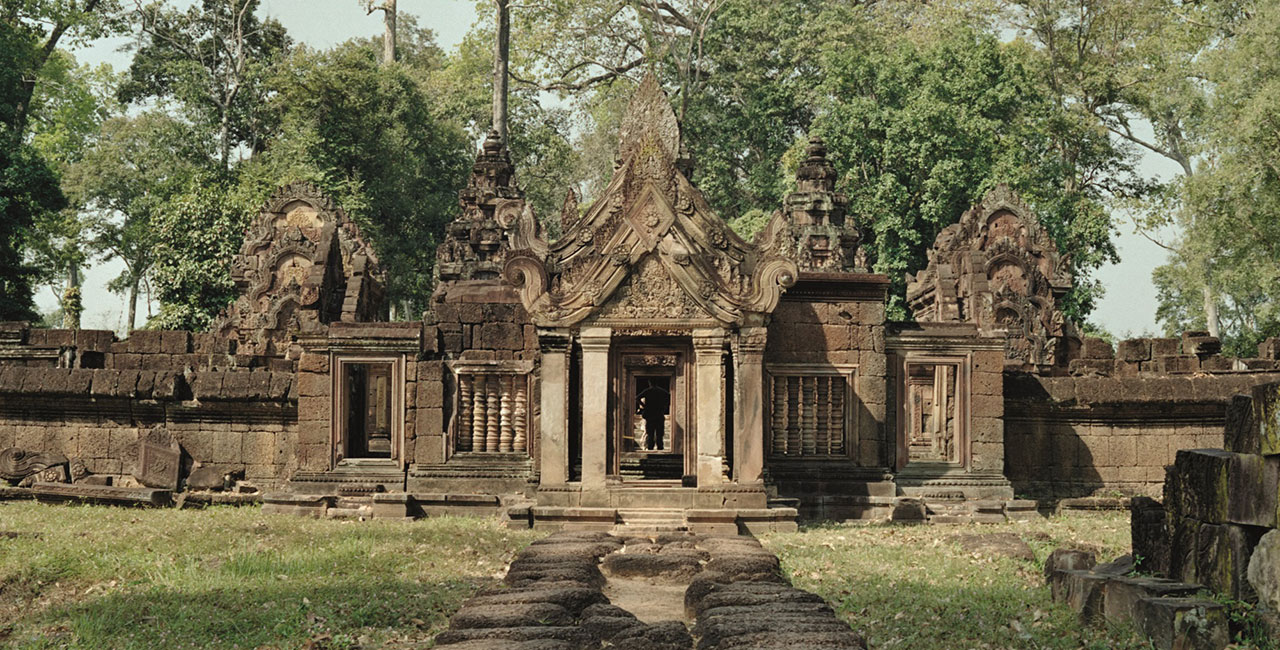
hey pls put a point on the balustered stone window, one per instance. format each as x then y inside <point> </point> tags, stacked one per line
<point>809,410</point>
<point>492,407</point>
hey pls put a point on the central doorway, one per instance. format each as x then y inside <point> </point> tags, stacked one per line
<point>651,442</point>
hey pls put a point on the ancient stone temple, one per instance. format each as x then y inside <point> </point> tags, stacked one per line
<point>647,368</point>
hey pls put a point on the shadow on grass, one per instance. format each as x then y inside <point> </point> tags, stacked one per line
<point>285,613</point>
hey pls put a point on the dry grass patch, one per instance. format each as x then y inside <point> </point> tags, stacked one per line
<point>914,587</point>
<point>99,577</point>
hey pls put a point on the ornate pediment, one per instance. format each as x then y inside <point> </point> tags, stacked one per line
<point>1000,269</point>
<point>651,231</point>
<point>303,262</point>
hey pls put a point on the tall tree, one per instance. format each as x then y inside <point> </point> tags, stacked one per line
<point>70,104</point>
<point>212,59</point>
<point>126,181</point>
<point>388,9</point>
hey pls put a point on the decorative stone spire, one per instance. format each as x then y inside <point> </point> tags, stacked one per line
<point>824,241</point>
<point>476,243</point>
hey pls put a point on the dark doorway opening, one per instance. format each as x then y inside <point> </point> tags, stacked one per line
<point>368,410</point>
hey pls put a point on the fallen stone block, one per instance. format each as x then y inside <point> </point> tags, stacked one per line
<point>101,494</point>
<point>1150,534</point>
<point>1183,623</point>
<point>1068,559</point>
<point>1222,557</point>
<point>1083,591</point>
<point>518,615</point>
<point>1124,592</point>
<point>1008,545</point>
<point>651,565</point>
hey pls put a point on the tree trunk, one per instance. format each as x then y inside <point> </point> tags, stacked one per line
<point>389,32</point>
<point>224,135</point>
<point>1211,319</point>
<point>501,54</point>
<point>133,304</point>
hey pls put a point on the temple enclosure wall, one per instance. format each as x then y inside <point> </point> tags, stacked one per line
<point>1116,425</point>
<point>233,413</point>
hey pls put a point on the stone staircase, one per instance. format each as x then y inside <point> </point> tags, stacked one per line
<point>649,520</point>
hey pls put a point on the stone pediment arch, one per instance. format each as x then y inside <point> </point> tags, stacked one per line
<point>999,269</point>
<point>650,218</point>
<point>304,262</point>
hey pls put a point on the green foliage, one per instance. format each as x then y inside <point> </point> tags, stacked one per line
<point>125,183</point>
<point>213,60</point>
<point>1228,210</point>
<point>195,240</point>
<point>28,191</point>
<point>369,133</point>
<point>923,107</point>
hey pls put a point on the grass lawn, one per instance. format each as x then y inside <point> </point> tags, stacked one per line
<point>912,587</point>
<point>98,577</point>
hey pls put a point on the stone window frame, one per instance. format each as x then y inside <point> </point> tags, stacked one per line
<point>849,371</point>
<point>520,368</point>
<point>963,364</point>
<point>339,361</point>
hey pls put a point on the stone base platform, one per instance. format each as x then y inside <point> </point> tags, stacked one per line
<point>623,521</point>
<point>384,505</point>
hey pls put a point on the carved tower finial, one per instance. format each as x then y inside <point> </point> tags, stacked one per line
<point>824,239</point>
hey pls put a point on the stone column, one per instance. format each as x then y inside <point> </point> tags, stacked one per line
<point>708,353</point>
<point>748,439</point>
<point>595,408</point>
<point>553,423</point>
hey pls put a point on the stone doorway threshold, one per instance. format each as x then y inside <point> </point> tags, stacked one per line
<point>668,591</point>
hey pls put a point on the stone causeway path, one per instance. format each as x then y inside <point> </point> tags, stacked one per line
<point>665,591</point>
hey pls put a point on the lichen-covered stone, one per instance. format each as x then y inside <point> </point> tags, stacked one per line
<point>1264,570</point>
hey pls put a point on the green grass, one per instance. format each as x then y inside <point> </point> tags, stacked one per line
<point>98,577</point>
<point>911,587</point>
<point>224,577</point>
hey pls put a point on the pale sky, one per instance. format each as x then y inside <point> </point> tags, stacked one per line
<point>1128,308</point>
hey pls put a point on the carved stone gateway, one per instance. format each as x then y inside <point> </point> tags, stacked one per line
<point>999,269</point>
<point>303,264</point>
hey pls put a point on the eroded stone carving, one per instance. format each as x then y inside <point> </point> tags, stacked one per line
<point>653,233</point>
<point>159,460</point>
<point>25,467</point>
<point>1000,269</point>
<point>813,228</point>
<point>303,263</point>
<point>495,219</point>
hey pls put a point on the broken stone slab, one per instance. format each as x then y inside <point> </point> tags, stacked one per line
<point>1183,623</point>
<point>571,634</point>
<point>518,615</point>
<point>570,596</point>
<point>506,644</point>
<point>663,635</point>
<point>1068,559</point>
<point>101,494</point>
<point>1083,591</point>
<point>651,565</point>
<point>24,465</point>
<point>1219,487</point>
<point>1264,570</point>
<point>1222,556</point>
<point>1150,534</point>
<point>1124,592</point>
